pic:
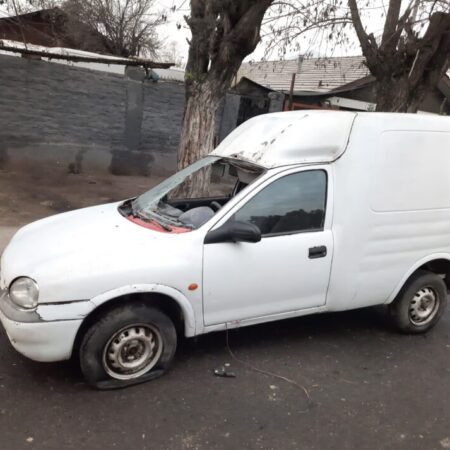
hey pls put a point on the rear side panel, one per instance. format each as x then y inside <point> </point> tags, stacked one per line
<point>392,206</point>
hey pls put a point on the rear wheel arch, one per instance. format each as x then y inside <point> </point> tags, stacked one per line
<point>438,264</point>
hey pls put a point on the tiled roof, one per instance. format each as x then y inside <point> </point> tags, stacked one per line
<point>314,74</point>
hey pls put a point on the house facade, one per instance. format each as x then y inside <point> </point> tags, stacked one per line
<point>325,83</point>
<point>52,28</point>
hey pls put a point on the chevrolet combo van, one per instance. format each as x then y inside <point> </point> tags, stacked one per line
<point>292,214</point>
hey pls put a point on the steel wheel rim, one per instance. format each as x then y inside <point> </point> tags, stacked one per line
<point>423,306</point>
<point>132,351</point>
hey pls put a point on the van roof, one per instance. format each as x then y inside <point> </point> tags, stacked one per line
<point>311,136</point>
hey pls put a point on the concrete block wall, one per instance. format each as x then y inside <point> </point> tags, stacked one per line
<point>73,119</point>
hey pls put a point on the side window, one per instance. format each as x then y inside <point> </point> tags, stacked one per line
<point>290,204</point>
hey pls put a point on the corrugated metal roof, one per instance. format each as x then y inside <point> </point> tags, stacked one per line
<point>314,74</point>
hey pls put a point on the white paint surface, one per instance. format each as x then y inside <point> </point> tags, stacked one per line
<point>280,139</point>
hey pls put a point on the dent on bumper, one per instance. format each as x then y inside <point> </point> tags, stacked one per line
<point>47,334</point>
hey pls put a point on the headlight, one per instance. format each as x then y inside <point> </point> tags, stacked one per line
<point>24,292</point>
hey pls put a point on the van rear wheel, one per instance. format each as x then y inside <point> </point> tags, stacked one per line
<point>420,303</point>
<point>128,345</point>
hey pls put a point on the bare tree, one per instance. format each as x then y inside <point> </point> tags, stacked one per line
<point>304,27</point>
<point>127,26</point>
<point>408,58</point>
<point>122,27</point>
<point>412,54</point>
<point>224,32</point>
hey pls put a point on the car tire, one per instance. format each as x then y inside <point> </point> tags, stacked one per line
<point>128,345</point>
<point>420,303</point>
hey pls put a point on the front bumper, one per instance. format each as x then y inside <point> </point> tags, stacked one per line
<point>47,334</point>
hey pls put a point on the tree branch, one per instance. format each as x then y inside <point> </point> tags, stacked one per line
<point>367,42</point>
<point>390,24</point>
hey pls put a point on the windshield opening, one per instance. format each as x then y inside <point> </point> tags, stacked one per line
<point>192,196</point>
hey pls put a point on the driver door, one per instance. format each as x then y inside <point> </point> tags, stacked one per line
<point>289,269</point>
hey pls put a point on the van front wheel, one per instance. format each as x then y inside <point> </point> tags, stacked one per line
<point>420,303</point>
<point>129,344</point>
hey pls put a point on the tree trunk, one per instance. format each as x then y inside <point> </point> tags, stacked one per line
<point>199,124</point>
<point>198,136</point>
<point>407,65</point>
<point>402,94</point>
<point>393,95</point>
<point>223,34</point>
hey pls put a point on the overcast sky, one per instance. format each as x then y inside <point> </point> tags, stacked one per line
<point>169,32</point>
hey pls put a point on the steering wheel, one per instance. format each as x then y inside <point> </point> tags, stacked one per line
<point>215,206</point>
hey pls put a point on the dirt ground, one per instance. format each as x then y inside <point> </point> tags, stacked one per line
<point>28,197</point>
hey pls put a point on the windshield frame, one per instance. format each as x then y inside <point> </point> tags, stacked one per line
<point>147,205</point>
<point>156,193</point>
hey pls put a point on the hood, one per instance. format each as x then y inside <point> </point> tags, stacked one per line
<point>60,234</point>
<point>79,254</point>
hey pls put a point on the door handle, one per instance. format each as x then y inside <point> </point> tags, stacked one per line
<point>317,252</point>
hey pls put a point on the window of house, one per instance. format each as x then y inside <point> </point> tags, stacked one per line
<point>294,203</point>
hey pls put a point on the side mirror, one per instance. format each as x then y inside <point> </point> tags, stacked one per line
<point>234,231</point>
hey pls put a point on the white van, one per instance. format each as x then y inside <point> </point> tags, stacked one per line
<point>293,214</point>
